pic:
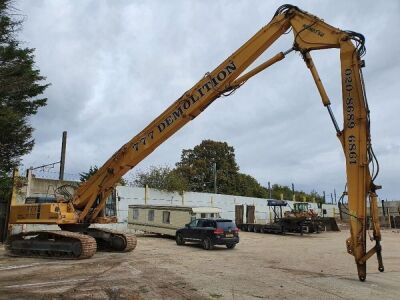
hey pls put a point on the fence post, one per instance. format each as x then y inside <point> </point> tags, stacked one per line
<point>146,188</point>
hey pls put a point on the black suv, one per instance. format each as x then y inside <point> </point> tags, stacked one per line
<point>209,232</point>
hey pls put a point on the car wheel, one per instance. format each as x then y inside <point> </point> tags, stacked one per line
<point>206,243</point>
<point>230,246</point>
<point>179,240</point>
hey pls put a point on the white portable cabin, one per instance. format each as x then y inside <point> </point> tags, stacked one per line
<point>166,219</point>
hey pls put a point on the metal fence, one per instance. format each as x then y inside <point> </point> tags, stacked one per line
<point>389,213</point>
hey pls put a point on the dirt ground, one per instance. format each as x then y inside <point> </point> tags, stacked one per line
<point>262,266</point>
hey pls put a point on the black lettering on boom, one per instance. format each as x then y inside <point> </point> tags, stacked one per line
<point>186,101</point>
<point>348,88</point>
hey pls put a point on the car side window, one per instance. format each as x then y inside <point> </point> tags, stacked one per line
<point>200,223</point>
<point>207,224</point>
<point>193,223</point>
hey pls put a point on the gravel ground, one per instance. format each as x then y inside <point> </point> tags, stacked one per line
<point>262,266</point>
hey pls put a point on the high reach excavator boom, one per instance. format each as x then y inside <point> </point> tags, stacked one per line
<point>310,33</point>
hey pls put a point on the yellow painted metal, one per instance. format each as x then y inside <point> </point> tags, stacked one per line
<point>242,79</point>
<point>318,82</point>
<point>46,213</point>
<point>355,148</point>
<point>106,220</point>
<point>310,33</point>
<point>186,108</point>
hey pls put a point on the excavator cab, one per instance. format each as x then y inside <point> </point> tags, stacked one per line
<point>300,207</point>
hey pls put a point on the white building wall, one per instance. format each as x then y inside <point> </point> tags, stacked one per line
<point>134,195</point>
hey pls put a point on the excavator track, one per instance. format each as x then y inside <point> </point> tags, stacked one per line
<point>57,244</point>
<point>131,242</point>
<point>111,240</point>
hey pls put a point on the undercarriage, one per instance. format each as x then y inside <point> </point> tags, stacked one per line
<point>72,242</point>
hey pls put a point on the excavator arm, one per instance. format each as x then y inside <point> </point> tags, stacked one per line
<point>310,34</point>
<point>91,195</point>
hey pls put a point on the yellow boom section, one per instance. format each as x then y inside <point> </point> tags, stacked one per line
<point>183,110</point>
<point>310,33</point>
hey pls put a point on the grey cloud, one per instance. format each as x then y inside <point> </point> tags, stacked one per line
<point>115,65</point>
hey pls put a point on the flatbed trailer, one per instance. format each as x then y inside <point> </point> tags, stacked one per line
<point>282,226</point>
<point>281,223</point>
<point>263,228</point>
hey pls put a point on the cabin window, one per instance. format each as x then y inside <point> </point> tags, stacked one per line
<point>166,217</point>
<point>150,215</point>
<point>135,214</point>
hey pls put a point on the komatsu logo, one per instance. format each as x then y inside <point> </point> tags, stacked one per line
<point>313,30</point>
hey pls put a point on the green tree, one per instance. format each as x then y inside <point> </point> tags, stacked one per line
<point>249,186</point>
<point>197,164</point>
<point>318,198</point>
<point>278,190</point>
<point>84,176</point>
<point>20,86</point>
<point>197,167</point>
<point>161,178</point>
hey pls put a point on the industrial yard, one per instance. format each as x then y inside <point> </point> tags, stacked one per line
<point>261,267</point>
<point>255,207</point>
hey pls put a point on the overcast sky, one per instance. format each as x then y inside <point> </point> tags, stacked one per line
<point>116,65</point>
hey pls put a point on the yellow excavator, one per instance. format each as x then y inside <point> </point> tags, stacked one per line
<point>85,207</point>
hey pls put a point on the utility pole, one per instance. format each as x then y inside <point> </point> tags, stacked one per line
<point>324,197</point>
<point>334,193</point>
<point>215,177</point>
<point>62,160</point>
<point>269,188</point>
<point>294,196</point>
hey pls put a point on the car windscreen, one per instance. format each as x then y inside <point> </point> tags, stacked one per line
<point>226,225</point>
